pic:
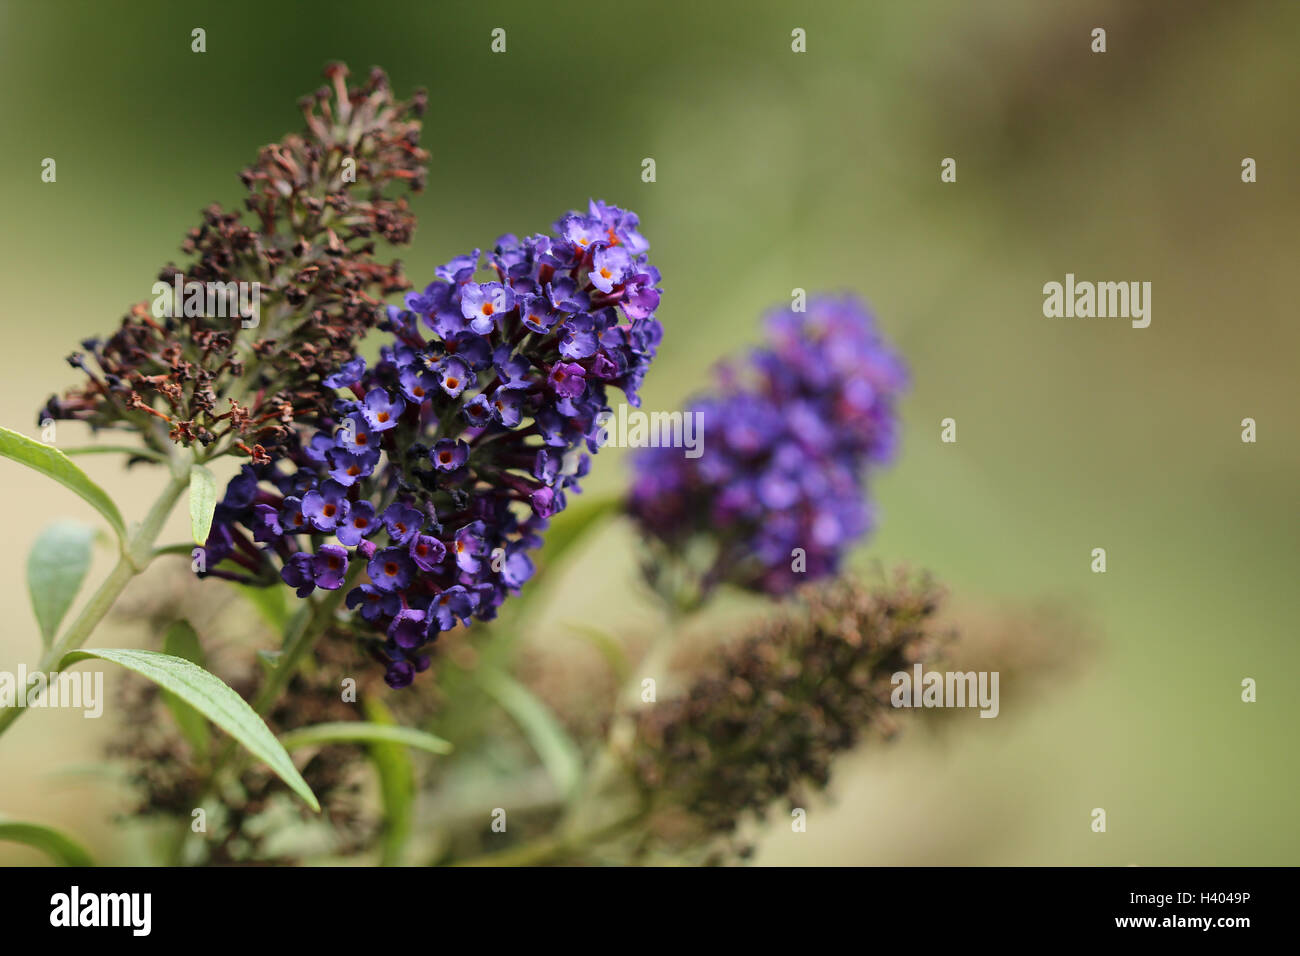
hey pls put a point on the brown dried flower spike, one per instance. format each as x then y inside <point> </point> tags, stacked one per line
<point>768,715</point>
<point>178,372</point>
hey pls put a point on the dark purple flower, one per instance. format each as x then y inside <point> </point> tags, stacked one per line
<point>356,435</point>
<point>790,439</point>
<point>544,502</point>
<point>347,468</point>
<point>382,410</point>
<point>517,569</point>
<point>508,403</point>
<point>567,379</point>
<point>609,266</point>
<point>374,603</point>
<point>348,375</point>
<point>453,376</point>
<point>427,552</point>
<point>390,569</point>
<point>483,304</point>
<point>408,628</point>
<point>459,269</point>
<point>449,454</point>
<point>402,522</point>
<point>329,566</point>
<point>477,411</point>
<point>360,523</point>
<point>536,314</point>
<point>298,573</point>
<point>266,523</point>
<point>326,507</point>
<point>451,607</point>
<point>417,383</point>
<point>469,545</point>
<point>495,406</point>
<point>292,519</point>
<point>399,674</point>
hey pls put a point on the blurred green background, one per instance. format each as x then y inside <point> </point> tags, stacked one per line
<point>821,171</point>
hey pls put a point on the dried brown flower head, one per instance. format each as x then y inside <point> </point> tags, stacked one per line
<point>768,714</point>
<point>266,310</point>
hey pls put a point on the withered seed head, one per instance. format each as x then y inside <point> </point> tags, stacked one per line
<point>316,199</point>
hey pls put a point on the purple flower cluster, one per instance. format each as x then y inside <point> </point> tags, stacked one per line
<point>788,442</point>
<point>443,463</point>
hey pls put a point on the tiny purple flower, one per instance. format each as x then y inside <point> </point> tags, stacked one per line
<point>449,454</point>
<point>382,410</point>
<point>454,376</point>
<point>390,569</point>
<point>609,265</point>
<point>469,545</point>
<point>408,628</point>
<point>403,522</point>
<point>427,552</point>
<point>417,384</point>
<point>359,523</point>
<point>327,507</point>
<point>299,574</point>
<point>482,304</point>
<point>567,379</point>
<point>329,566</point>
<point>450,606</point>
<point>374,603</point>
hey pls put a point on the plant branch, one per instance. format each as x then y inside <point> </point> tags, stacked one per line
<point>137,552</point>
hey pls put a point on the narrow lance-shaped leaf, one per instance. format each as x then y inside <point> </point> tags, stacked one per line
<point>203,501</point>
<point>396,785</point>
<point>52,462</point>
<point>555,748</point>
<point>182,641</point>
<point>56,566</point>
<point>212,698</point>
<point>348,731</point>
<point>59,846</point>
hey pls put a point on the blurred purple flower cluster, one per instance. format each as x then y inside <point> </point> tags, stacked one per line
<point>789,440</point>
<point>443,463</point>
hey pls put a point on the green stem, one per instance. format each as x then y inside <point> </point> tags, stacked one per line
<point>611,761</point>
<point>301,636</point>
<point>137,552</point>
<point>554,849</point>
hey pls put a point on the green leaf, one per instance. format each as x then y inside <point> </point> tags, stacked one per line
<point>212,698</point>
<point>182,641</point>
<point>203,502</point>
<point>349,731</point>
<point>56,566</point>
<point>64,849</point>
<point>555,748</point>
<point>396,785</point>
<point>53,463</point>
